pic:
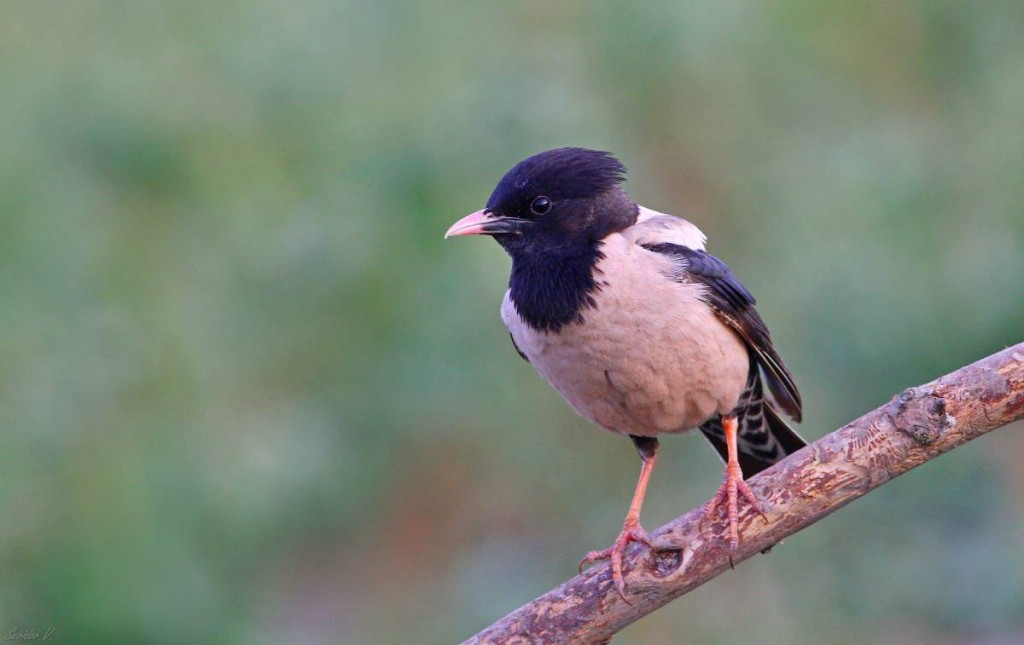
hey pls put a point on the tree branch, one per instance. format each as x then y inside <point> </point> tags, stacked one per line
<point>916,426</point>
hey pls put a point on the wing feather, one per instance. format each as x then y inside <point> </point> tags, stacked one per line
<point>734,305</point>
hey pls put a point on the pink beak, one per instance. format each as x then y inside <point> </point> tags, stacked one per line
<point>472,224</point>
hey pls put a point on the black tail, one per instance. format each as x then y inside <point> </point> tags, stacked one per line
<point>764,438</point>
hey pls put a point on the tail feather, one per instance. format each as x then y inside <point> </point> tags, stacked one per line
<point>785,435</point>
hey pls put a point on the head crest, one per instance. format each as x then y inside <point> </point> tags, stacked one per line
<point>562,173</point>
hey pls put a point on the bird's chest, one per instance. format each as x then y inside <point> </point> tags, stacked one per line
<point>647,357</point>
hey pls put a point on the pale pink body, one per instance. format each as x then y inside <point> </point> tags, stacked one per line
<point>631,372</point>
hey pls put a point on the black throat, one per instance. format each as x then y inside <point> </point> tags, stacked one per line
<point>551,288</point>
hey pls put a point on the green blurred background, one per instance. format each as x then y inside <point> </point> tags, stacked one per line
<point>249,395</point>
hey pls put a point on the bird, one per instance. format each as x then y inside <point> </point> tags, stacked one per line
<point>623,311</point>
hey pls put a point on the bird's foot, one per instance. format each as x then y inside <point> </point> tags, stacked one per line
<point>728,494</point>
<point>631,532</point>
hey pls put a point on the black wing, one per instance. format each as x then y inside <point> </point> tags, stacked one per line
<point>734,305</point>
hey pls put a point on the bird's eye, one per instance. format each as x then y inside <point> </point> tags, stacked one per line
<point>540,205</point>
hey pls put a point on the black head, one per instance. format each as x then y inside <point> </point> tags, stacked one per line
<point>558,198</point>
<point>550,212</point>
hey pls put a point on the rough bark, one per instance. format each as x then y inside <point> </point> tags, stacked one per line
<point>916,426</point>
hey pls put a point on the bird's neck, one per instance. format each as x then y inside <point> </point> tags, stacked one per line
<point>551,288</point>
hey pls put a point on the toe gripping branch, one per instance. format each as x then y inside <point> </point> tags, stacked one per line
<point>632,531</point>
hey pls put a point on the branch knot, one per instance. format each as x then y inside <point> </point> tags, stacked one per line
<point>919,413</point>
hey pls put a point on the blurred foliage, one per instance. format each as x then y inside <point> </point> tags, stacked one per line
<point>249,395</point>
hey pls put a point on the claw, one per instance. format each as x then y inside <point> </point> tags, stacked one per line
<point>631,532</point>
<point>729,493</point>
